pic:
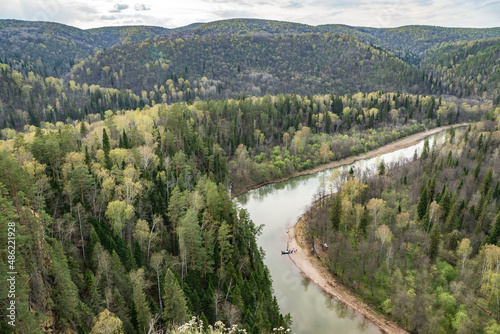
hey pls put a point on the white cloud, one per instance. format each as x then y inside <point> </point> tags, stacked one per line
<point>141,7</point>
<point>170,14</point>
<point>118,8</point>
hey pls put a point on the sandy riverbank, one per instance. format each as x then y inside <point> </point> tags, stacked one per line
<point>398,144</point>
<point>313,269</point>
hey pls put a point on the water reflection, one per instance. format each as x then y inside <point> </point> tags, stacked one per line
<point>277,207</point>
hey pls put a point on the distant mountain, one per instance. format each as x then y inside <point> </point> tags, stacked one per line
<point>407,41</point>
<point>228,65</point>
<point>51,49</point>
<point>418,39</point>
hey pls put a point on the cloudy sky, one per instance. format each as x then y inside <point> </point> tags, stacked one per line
<point>175,13</point>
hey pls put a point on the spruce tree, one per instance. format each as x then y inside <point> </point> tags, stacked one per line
<point>336,213</point>
<point>434,239</point>
<point>106,147</point>
<point>381,168</point>
<point>174,302</point>
<point>365,219</point>
<point>422,204</point>
<point>495,233</point>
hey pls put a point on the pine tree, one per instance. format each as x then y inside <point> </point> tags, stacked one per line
<point>477,170</point>
<point>328,121</point>
<point>64,292</point>
<point>487,182</point>
<point>365,219</point>
<point>190,240</point>
<point>141,305</point>
<point>94,298</point>
<point>495,233</point>
<point>450,223</point>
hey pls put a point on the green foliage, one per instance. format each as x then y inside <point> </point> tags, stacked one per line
<point>175,309</point>
<point>434,241</point>
<point>336,213</point>
<point>423,204</point>
<point>437,275</point>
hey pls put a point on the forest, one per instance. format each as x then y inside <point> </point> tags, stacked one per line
<point>426,254</point>
<point>121,149</point>
<point>65,73</point>
<point>139,225</point>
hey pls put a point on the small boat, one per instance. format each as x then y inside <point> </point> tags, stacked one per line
<point>285,252</point>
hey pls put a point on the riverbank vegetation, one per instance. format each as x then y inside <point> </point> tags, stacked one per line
<point>419,241</point>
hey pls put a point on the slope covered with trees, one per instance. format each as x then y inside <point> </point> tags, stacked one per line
<point>51,49</point>
<point>426,253</point>
<point>253,65</point>
<point>467,68</point>
<point>408,42</point>
<point>129,215</point>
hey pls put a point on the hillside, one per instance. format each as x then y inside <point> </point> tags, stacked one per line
<point>467,68</point>
<point>259,64</point>
<point>410,42</point>
<point>51,49</point>
<point>129,67</point>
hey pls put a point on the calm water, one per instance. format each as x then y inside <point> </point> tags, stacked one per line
<point>278,206</point>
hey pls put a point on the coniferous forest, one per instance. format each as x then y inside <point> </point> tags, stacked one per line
<point>122,148</point>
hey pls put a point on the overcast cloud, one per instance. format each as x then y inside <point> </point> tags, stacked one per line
<point>174,13</point>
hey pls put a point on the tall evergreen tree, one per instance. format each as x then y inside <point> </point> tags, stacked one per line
<point>174,303</point>
<point>434,240</point>
<point>422,204</point>
<point>106,147</point>
<point>336,212</point>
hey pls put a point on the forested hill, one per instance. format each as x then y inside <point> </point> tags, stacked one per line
<point>467,68</point>
<point>44,77</point>
<point>51,49</point>
<point>415,39</point>
<point>225,66</point>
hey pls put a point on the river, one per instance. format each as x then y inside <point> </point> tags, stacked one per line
<point>277,207</point>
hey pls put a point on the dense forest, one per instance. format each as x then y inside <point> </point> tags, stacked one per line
<point>467,68</point>
<point>121,147</point>
<point>137,224</point>
<point>116,211</point>
<point>426,254</point>
<point>256,65</point>
<point>64,73</point>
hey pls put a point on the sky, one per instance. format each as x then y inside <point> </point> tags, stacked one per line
<point>176,13</point>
